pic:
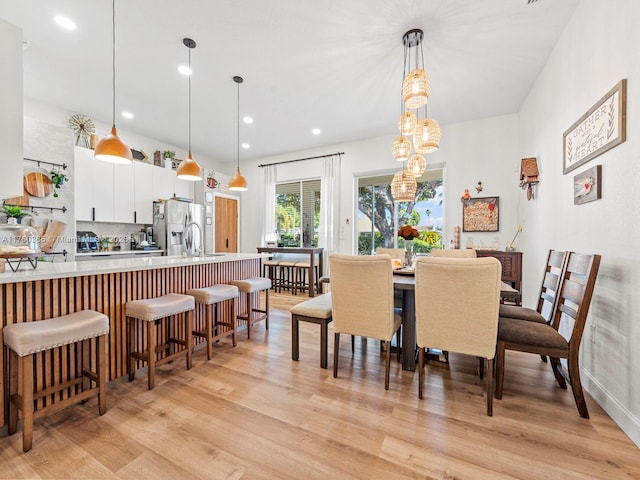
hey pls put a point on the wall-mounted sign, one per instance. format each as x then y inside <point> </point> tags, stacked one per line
<point>603,127</point>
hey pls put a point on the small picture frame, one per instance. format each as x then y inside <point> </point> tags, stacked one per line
<point>587,186</point>
<point>481,214</point>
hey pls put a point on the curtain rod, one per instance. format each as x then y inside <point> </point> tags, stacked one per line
<point>301,159</point>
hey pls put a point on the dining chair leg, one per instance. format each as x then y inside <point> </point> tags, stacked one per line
<point>481,367</point>
<point>353,344</point>
<point>336,350</point>
<point>420,371</point>
<point>388,364</point>
<point>398,350</point>
<point>576,386</point>
<point>555,367</point>
<point>499,368</point>
<point>489,386</point>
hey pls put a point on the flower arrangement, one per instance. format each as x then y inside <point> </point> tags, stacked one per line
<point>408,232</point>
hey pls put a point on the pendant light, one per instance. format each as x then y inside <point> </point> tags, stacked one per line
<point>189,168</point>
<point>238,183</point>
<point>417,165</point>
<point>404,186</point>
<point>111,148</point>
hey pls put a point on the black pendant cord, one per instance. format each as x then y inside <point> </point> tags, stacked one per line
<point>113,60</point>
<point>190,73</point>
<point>238,132</point>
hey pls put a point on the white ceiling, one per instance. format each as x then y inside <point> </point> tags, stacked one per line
<point>332,64</point>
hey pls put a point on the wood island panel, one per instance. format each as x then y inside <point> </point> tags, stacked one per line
<point>33,300</point>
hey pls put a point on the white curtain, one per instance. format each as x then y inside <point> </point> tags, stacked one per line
<point>269,217</point>
<point>329,234</point>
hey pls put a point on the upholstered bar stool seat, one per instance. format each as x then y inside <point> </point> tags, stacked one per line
<point>29,338</point>
<point>215,328</point>
<point>250,287</point>
<point>149,311</point>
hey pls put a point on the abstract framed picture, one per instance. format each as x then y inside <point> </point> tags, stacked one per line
<point>481,214</point>
<point>587,186</point>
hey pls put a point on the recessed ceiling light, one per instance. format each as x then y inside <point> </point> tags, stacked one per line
<point>246,145</point>
<point>184,70</point>
<point>65,22</point>
<point>127,114</point>
<point>316,131</point>
<point>247,119</point>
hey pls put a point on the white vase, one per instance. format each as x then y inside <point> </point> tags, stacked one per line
<point>168,163</point>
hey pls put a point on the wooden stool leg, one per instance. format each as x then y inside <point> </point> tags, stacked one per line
<point>13,390</point>
<point>249,310</point>
<point>86,365</point>
<point>151,354</point>
<point>131,342</point>
<point>234,320</point>
<point>101,368</point>
<point>27,402</point>
<point>209,320</point>
<point>188,328</point>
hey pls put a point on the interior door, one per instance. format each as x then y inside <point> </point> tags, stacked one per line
<point>226,219</point>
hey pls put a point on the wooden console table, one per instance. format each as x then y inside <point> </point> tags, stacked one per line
<point>511,271</point>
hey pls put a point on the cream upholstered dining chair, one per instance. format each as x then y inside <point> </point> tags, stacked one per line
<point>453,253</point>
<point>446,323</point>
<point>394,253</point>
<point>362,301</point>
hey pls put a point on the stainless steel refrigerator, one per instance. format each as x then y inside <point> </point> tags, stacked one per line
<point>178,227</point>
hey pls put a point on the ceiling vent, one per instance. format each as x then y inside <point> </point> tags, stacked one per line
<point>529,2</point>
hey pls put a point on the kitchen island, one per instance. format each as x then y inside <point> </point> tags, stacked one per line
<point>54,289</point>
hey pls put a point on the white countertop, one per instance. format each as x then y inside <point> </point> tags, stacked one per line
<point>47,270</point>
<point>116,252</point>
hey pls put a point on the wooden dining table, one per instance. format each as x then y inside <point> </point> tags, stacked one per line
<point>312,252</point>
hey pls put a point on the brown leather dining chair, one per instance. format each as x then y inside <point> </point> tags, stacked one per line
<point>562,337</point>
<point>445,322</point>
<point>362,302</point>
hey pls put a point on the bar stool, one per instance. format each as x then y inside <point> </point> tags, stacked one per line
<point>25,340</point>
<point>271,270</point>
<point>287,278</point>
<point>151,311</point>
<point>251,286</point>
<point>209,298</point>
<point>301,277</point>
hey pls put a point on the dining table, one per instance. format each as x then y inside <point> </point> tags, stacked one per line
<point>312,252</point>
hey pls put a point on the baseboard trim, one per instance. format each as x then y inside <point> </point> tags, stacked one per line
<point>629,423</point>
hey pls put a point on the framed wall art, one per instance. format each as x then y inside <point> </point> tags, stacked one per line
<point>587,186</point>
<point>600,129</point>
<point>481,214</point>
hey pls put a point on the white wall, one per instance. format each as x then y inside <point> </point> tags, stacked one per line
<point>597,49</point>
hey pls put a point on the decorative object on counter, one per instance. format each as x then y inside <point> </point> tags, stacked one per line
<point>511,246</point>
<point>104,243</point>
<point>83,127</point>
<point>189,168</point>
<point>14,214</point>
<point>408,233</point>
<point>238,183</point>
<point>37,184</point>
<point>139,155</point>
<point>600,129</point>
<point>481,214</point>
<point>528,175</point>
<point>111,148</point>
<point>58,178</point>
<point>479,186</point>
<point>587,186</point>
<point>17,243</point>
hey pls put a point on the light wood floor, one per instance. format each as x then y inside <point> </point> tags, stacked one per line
<point>251,412</point>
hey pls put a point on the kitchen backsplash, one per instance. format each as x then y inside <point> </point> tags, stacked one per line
<point>122,231</point>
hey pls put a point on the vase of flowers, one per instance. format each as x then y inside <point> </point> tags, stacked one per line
<point>408,233</point>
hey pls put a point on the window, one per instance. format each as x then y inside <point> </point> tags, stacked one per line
<point>298,213</point>
<point>379,217</point>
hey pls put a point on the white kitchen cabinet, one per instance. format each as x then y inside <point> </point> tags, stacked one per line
<point>93,187</point>
<point>143,192</point>
<point>163,183</point>
<point>183,188</point>
<point>123,193</point>
<point>11,117</point>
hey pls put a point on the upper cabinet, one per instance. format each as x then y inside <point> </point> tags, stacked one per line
<point>11,110</point>
<point>122,193</point>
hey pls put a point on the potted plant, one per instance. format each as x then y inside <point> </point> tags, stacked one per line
<point>58,179</point>
<point>14,212</point>
<point>104,243</point>
<point>169,156</point>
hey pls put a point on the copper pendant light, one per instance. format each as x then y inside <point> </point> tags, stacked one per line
<point>238,183</point>
<point>111,148</point>
<point>189,168</point>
